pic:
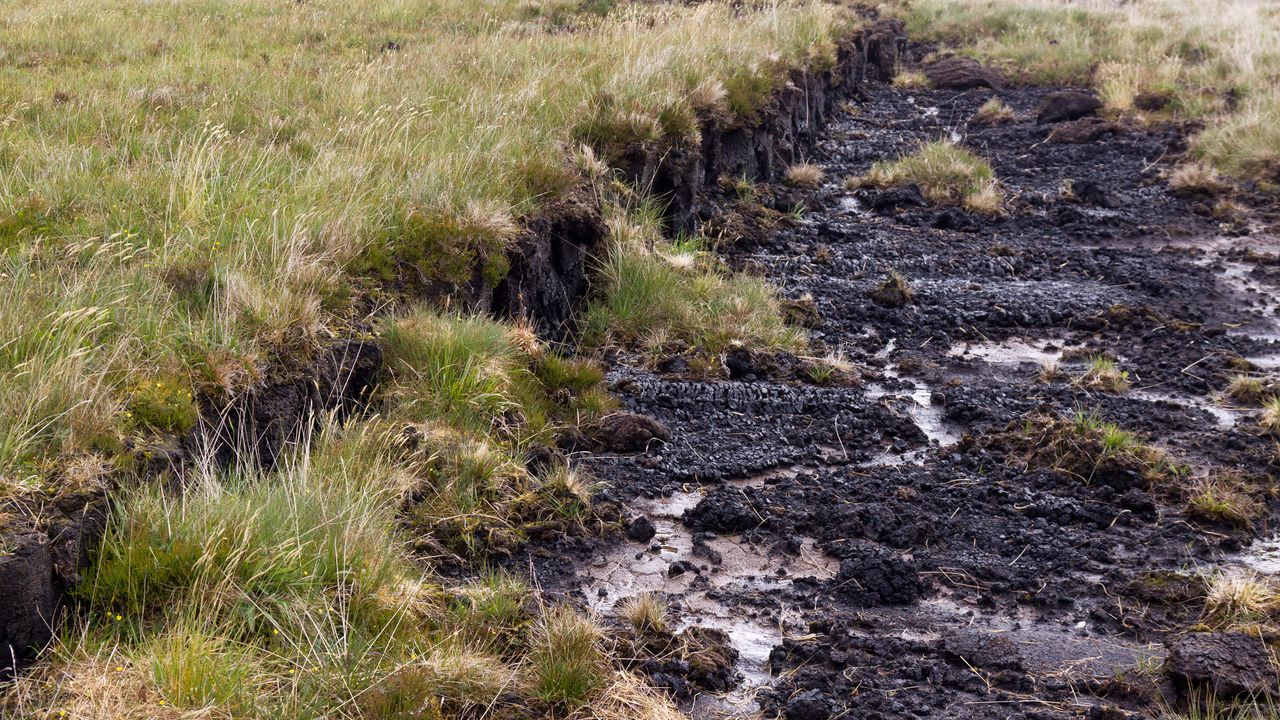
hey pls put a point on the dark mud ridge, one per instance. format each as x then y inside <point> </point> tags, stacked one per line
<point>909,545</point>
<point>47,540</point>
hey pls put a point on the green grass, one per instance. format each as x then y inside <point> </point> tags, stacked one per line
<point>566,660</point>
<point>946,174</point>
<point>663,296</point>
<point>191,190</point>
<point>1201,55</point>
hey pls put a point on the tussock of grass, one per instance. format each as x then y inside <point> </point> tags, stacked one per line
<point>911,80</point>
<point>1224,499</point>
<point>1270,419</point>
<point>492,392</point>
<point>992,112</point>
<point>1086,447</point>
<point>566,661</point>
<point>946,174</point>
<point>1197,179</point>
<point>804,175</point>
<point>645,612</point>
<point>1103,374</point>
<point>1246,389</point>
<point>1215,59</point>
<point>1237,599</point>
<point>660,295</point>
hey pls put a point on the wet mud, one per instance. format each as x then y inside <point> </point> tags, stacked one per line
<point>888,548</point>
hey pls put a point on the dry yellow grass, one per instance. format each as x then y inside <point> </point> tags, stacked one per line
<point>1215,59</point>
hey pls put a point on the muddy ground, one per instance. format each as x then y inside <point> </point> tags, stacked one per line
<point>886,548</point>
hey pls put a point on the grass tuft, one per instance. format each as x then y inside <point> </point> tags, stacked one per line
<point>946,174</point>
<point>1103,374</point>
<point>992,112</point>
<point>645,613</point>
<point>566,661</point>
<point>656,304</point>
<point>804,175</point>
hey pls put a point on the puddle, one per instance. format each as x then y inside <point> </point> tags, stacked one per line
<point>1056,648</point>
<point>632,568</point>
<point>1262,555</point>
<point>1225,418</point>
<point>1009,352</point>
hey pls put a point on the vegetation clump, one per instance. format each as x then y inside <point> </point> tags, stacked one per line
<point>946,174</point>
<point>804,175</point>
<point>661,296</point>
<point>992,112</point>
<point>1104,374</point>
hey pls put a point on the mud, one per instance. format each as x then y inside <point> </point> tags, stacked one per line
<point>897,552</point>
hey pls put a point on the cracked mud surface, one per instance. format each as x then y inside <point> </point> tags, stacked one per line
<point>879,550</point>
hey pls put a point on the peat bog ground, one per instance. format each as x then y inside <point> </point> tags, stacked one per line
<point>963,519</point>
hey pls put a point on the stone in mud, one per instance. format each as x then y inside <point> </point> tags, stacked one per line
<point>1093,193</point>
<point>810,705</point>
<point>983,649</point>
<point>1084,130</point>
<point>1067,105</point>
<point>641,529</point>
<point>1228,664</point>
<point>892,199</point>
<point>723,512</point>
<point>954,219</point>
<point>961,73</point>
<point>874,575</point>
<point>628,432</point>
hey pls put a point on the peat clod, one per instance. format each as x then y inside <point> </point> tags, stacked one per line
<point>961,73</point>
<point>1067,105</point>
<point>1223,663</point>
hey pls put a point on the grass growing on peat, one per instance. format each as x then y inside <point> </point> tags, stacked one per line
<point>1214,60</point>
<point>946,174</point>
<point>661,295</point>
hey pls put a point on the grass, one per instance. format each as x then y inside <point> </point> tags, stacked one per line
<point>1223,499</point>
<point>946,174</point>
<point>804,175</point>
<point>911,80</point>
<point>191,190</point>
<point>1086,447</point>
<point>1238,599</point>
<point>992,112</point>
<point>646,612</point>
<point>1102,373</point>
<point>566,660</point>
<point>1196,179</point>
<point>1246,389</point>
<point>1216,60</point>
<point>663,297</point>
<point>1270,419</point>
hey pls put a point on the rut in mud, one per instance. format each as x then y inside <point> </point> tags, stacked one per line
<point>882,548</point>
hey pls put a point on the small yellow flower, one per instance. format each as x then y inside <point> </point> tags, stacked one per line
<point>119,618</point>
<point>119,668</point>
<point>161,702</point>
<point>275,632</point>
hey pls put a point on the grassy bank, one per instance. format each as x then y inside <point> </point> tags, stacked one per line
<point>192,191</point>
<point>189,189</point>
<point>1216,61</point>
